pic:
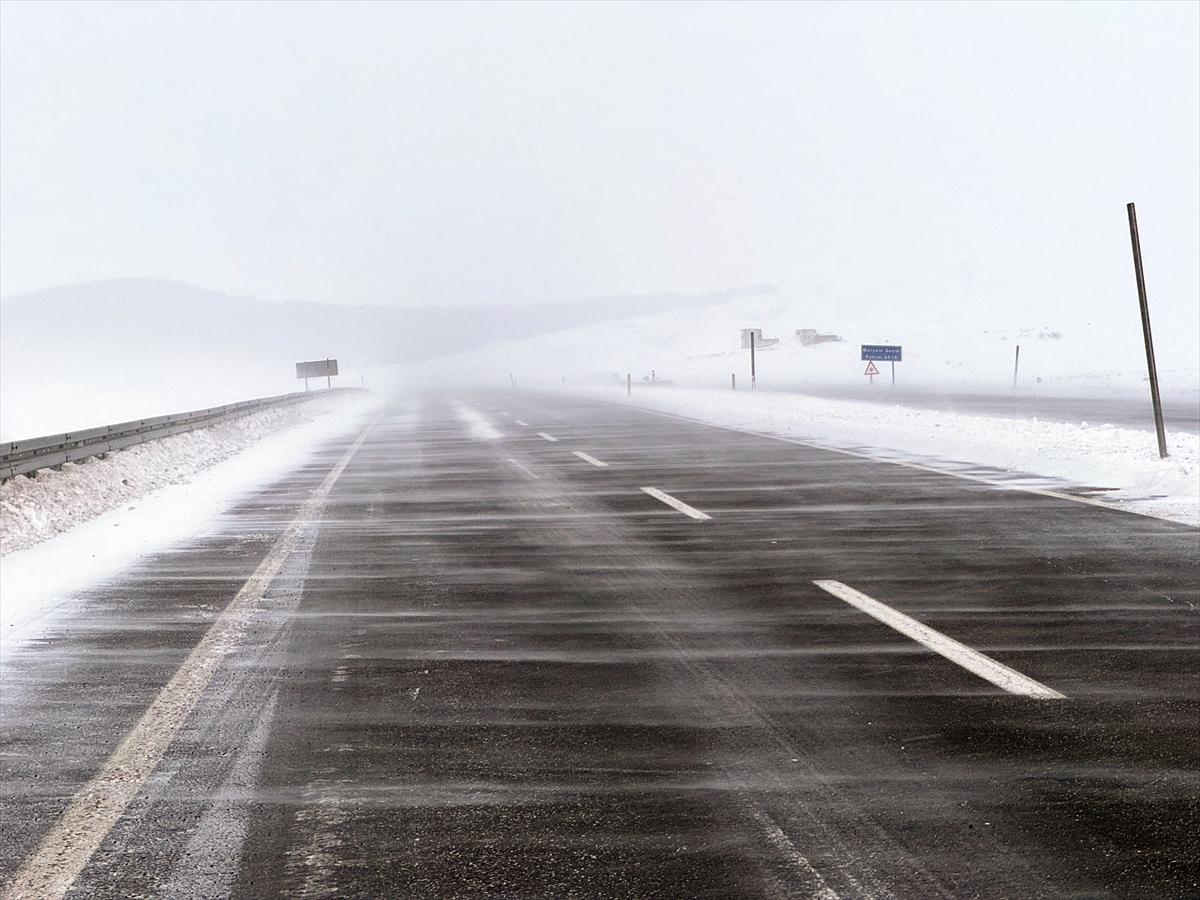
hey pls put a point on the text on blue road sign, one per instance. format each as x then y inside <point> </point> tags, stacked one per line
<point>881,352</point>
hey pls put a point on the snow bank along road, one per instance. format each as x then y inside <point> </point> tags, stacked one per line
<point>506,645</point>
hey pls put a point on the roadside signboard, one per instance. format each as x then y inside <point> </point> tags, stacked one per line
<point>871,370</point>
<point>881,352</point>
<point>317,368</point>
<point>322,368</point>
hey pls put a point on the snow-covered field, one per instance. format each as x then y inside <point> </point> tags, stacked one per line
<point>105,515</point>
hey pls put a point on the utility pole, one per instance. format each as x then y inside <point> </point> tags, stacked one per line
<point>1145,307</point>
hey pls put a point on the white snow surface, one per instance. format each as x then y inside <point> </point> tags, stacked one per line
<point>107,514</point>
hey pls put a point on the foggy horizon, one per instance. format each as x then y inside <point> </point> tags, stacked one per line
<point>934,157</point>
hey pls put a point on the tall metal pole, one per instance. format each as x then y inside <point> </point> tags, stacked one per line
<point>1141,286</point>
<point>753,378</point>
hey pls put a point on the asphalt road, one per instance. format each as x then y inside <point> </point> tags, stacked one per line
<point>476,663</point>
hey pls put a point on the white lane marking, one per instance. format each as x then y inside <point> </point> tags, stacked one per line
<point>70,843</point>
<point>972,660</point>
<point>590,459</point>
<point>781,842</point>
<point>548,437</point>
<point>677,504</point>
<point>522,424</point>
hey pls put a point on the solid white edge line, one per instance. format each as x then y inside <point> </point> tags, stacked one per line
<point>676,504</point>
<point>71,842</point>
<point>972,660</point>
<point>547,437</point>
<point>591,459</point>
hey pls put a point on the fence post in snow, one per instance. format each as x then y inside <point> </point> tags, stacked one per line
<point>629,384</point>
<point>733,380</point>
<point>1145,306</point>
<point>1016,363</point>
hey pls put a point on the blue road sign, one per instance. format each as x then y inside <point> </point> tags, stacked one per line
<point>881,352</point>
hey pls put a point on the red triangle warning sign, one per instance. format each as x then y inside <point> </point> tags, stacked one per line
<point>871,370</point>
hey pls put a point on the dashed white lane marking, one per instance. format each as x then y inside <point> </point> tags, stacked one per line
<point>547,437</point>
<point>972,660</point>
<point>677,504</point>
<point>590,459</point>
<point>70,843</point>
<point>522,424</point>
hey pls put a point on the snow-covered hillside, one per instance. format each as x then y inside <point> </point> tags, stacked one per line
<point>969,351</point>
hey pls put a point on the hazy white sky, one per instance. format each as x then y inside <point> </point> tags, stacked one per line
<point>925,155</point>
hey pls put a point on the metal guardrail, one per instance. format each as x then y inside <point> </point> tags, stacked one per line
<point>23,457</point>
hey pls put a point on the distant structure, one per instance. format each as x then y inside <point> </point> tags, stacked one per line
<point>759,340</point>
<point>810,336</point>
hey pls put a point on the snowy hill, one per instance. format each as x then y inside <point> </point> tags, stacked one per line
<point>967,350</point>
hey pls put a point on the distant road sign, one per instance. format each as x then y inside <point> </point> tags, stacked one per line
<point>319,368</point>
<point>881,352</point>
<point>871,370</point>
